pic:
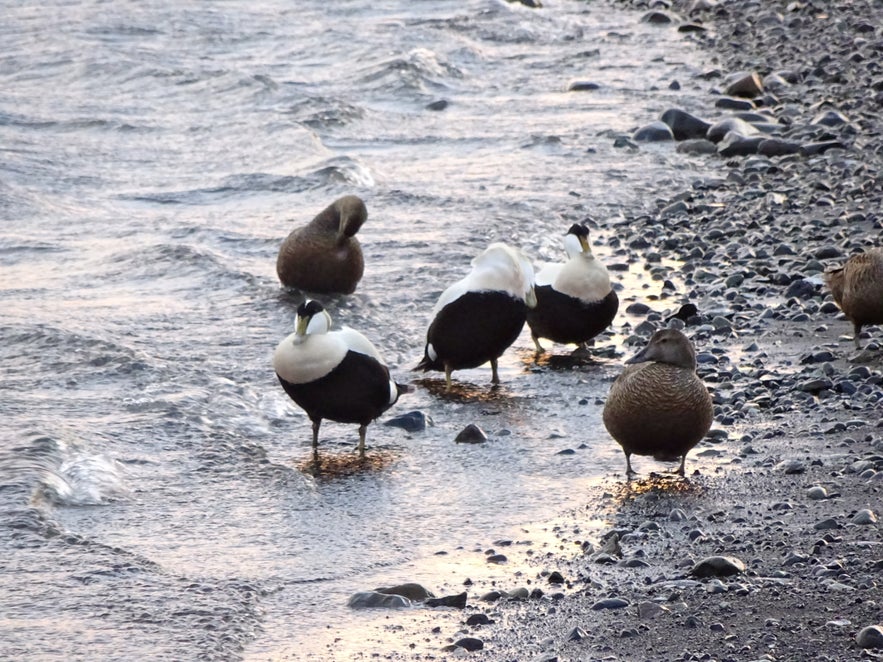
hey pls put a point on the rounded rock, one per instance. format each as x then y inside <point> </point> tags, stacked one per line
<point>870,637</point>
<point>610,603</point>
<point>471,434</point>
<point>718,566</point>
<point>656,131</point>
<point>865,516</point>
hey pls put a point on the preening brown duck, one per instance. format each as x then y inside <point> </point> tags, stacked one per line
<point>477,318</point>
<point>857,287</point>
<point>575,301</point>
<point>658,405</point>
<point>324,256</point>
<point>335,375</point>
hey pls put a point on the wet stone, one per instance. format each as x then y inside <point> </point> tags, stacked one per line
<point>747,85</point>
<point>455,601</point>
<point>471,434</point>
<point>731,103</point>
<point>374,600</point>
<point>656,131</point>
<point>413,421</point>
<point>469,643</point>
<point>412,591</point>
<point>478,619</point>
<point>684,125</point>
<point>583,86</point>
<point>556,577</point>
<point>830,118</point>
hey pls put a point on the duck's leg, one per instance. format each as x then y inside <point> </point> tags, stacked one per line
<point>316,423</point>
<point>536,343</point>
<point>857,328</point>
<point>363,429</point>
<point>447,377</point>
<point>495,378</point>
<point>629,472</point>
<point>681,470</point>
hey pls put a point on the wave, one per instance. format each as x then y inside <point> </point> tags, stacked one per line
<point>330,173</point>
<point>45,353</point>
<point>419,70</point>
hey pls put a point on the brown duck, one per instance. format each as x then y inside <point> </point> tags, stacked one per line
<point>324,256</point>
<point>857,288</point>
<point>658,406</point>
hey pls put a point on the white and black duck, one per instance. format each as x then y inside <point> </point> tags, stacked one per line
<point>575,301</point>
<point>335,375</point>
<point>477,318</point>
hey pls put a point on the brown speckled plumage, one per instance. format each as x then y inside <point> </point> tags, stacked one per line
<point>857,288</point>
<point>324,256</point>
<point>658,406</point>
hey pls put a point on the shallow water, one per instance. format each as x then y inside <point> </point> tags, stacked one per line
<point>154,499</point>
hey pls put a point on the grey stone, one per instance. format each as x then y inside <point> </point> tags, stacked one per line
<point>610,603</point>
<point>375,600</point>
<point>718,566</point>
<point>870,637</point>
<point>865,516</point>
<point>471,434</point>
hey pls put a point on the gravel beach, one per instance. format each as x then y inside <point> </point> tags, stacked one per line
<point>777,555</point>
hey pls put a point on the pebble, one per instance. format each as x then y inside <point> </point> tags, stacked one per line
<point>577,634</point>
<point>865,516</point>
<point>374,600</point>
<point>411,590</point>
<point>478,619</point>
<point>649,610</point>
<point>413,421</point>
<point>469,643</point>
<point>748,85</point>
<point>790,467</point>
<point>684,125</point>
<point>817,493</point>
<point>826,524</point>
<point>610,603</point>
<point>870,637</point>
<point>471,434</point>
<point>718,566</point>
<point>656,131</point>
<point>455,601</point>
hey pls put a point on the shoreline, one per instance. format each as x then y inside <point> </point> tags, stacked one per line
<point>798,494</point>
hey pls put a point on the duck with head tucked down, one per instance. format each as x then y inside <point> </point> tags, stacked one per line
<point>857,287</point>
<point>575,301</point>
<point>324,256</point>
<point>658,405</point>
<point>477,318</point>
<point>335,375</point>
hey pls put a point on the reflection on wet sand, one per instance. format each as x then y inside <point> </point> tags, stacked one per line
<point>656,484</point>
<point>328,466</point>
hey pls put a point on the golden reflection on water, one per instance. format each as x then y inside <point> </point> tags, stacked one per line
<point>465,391</point>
